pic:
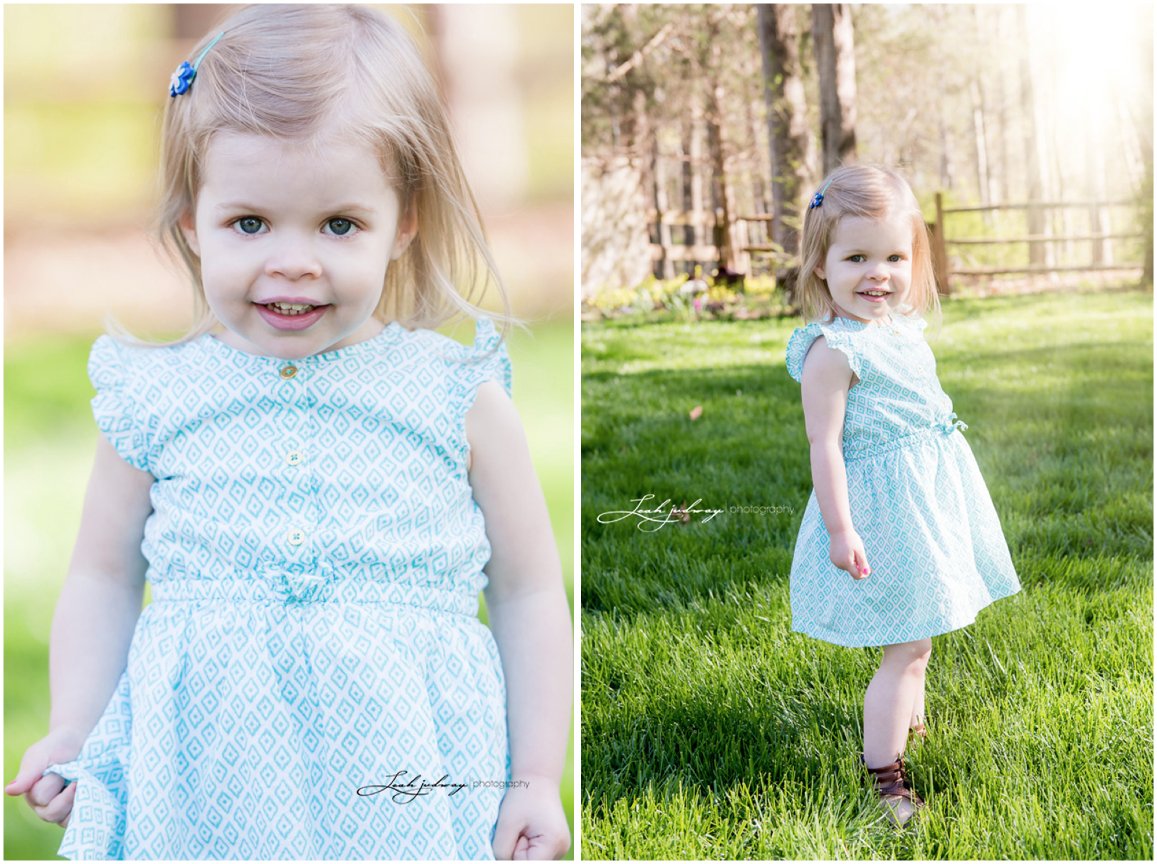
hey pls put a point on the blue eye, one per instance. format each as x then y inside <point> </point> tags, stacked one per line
<point>340,227</point>
<point>249,225</point>
<point>856,258</point>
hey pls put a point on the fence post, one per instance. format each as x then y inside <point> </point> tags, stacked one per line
<point>939,248</point>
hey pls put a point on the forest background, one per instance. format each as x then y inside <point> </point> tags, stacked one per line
<point>706,129</point>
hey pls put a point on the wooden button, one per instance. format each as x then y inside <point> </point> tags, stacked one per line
<point>288,371</point>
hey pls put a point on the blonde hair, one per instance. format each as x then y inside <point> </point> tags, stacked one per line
<point>292,72</point>
<point>872,192</point>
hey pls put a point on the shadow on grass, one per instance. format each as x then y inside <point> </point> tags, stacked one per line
<point>1060,463</point>
<point>710,745</point>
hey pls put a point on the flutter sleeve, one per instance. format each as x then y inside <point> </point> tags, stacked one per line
<point>486,360</point>
<point>119,408</point>
<point>801,342</point>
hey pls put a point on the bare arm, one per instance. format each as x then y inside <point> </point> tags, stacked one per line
<point>530,619</point>
<point>101,598</point>
<point>92,627</point>
<point>826,379</point>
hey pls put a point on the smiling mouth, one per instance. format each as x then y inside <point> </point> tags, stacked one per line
<point>875,293</point>
<point>289,309</point>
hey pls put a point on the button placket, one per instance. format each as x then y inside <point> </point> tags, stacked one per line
<point>298,530</point>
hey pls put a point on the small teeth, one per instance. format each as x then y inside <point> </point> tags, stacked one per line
<point>290,308</point>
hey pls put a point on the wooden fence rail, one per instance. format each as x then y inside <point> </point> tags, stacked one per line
<point>941,240</point>
<point>701,236</point>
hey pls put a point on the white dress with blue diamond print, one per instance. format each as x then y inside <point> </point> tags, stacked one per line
<point>312,653</point>
<point>933,540</point>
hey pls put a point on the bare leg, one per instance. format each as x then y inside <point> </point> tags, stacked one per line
<point>918,707</point>
<point>891,700</point>
<point>889,706</point>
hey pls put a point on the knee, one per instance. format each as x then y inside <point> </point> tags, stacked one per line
<point>922,654</point>
<point>913,657</point>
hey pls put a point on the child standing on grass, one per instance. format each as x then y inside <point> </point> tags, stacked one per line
<point>899,505</point>
<point>316,492</point>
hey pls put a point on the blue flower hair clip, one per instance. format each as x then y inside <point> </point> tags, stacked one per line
<point>182,79</point>
<point>818,198</point>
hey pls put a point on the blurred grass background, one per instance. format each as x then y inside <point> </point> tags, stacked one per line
<point>84,90</point>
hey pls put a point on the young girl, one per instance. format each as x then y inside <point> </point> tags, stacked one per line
<point>899,541</point>
<point>316,492</point>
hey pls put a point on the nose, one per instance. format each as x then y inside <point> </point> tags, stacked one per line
<point>293,258</point>
<point>878,273</point>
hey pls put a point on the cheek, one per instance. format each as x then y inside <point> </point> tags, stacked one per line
<point>367,274</point>
<point>223,269</point>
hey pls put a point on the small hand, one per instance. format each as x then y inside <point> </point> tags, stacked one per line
<point>47,794</point>
<point>531,823</point>
<point>847,553</point>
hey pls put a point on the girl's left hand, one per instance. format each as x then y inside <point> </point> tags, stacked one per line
<point>531,823</point>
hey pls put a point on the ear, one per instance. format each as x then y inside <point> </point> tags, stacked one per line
<point>188,227</point>
<point>819,271</point>
<point>407,231</point>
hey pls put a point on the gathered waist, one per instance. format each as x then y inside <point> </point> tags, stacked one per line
<point>941,428</point>
<point>302,589</point>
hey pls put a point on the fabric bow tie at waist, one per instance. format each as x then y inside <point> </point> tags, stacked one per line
<point>318,587</point>
<point>950,424</point>
<point>932,432</point>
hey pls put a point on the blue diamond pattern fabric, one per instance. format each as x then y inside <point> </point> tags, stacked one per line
<point>932,536</point>
<point>312,653</point>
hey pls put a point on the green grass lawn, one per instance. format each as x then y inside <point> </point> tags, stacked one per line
<point>711,731</point>
<point>49,441</point>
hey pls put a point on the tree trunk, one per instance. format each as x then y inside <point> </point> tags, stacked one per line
<point>1147,224</point>
<point>1035,165</point>
<point>685,164</point>
<point>947,171</point>
<point>1002,23</point>
<point>697,215</point>
<point>646,147</point>
<point>789,140</point>
<point>980,143</point>
<point>752,230</point>
<point>980,130</point>
<point>836,62</point>
<point>715,144</point>
<point>754,162</point>
<point>1144,106</point>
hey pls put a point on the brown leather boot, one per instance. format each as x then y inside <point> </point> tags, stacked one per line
<point>894,787</point>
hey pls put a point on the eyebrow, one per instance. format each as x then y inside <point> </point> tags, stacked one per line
<point>861,250</point>
<point>348,207</point>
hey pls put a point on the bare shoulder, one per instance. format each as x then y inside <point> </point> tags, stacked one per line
<point>116,480</point>
<point>493,427</point>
